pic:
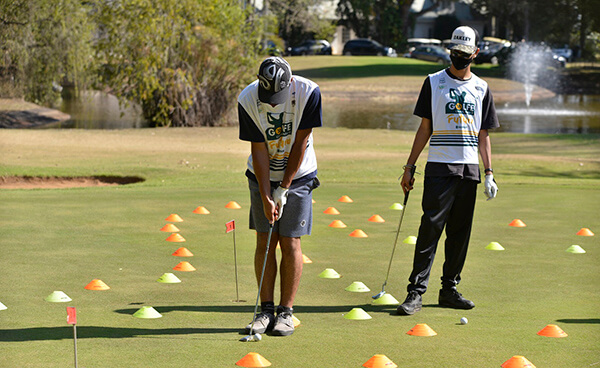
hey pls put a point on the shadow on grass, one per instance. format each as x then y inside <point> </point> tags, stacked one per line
<point>594,321</point>
<point>250,308</point>
<point>382,70</point>
<point>90,332</point>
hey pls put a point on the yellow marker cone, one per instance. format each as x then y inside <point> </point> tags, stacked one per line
<point>305,259</point>
<point>170,228</point>
<point>96,284</point>
<point>357,287</point>
<point>345,199</point>
<point>331,211</point>
<point>176,238</point>
<point>358,233</point>
<point>585,232</point>
<point>58,297</point>
<point>174,218</point>
<point>494,246</point>
<point>412,240</point>
<point>357,314</point>
<point>337,224</point>
<point>182,252</point>
<point>517,223</point>
<point>396,206</point>
<point>252,360</point>
<point>386,299</point>
<point>376,218</point>
<point>422,329</point>
<point>2,306</point>
<point>201,211</point>
<point>576,249</point>
<point>184,266</point>
<point>168,278</point>
<point>518,361</point>
<point>233,205</point>
<point>379,361</point>
<point>147,313</point>
<point>552,331</point>
<point>329,273</point>
<point>296,321</point>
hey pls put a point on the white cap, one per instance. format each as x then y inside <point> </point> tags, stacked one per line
<point>464,39</point>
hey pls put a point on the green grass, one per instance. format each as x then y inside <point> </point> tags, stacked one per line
<point>61,239</point>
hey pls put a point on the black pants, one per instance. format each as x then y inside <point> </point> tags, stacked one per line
<point>450,202</point>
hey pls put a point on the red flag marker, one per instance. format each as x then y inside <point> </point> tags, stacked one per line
<point>71,316</point>
<point>230,226</point>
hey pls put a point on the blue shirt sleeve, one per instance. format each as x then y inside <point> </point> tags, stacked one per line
<point>248,130</point>
<point>312,116</point>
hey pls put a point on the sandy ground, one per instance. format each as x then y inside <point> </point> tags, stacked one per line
<point>33,182</point>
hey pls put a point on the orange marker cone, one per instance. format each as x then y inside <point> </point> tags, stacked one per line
<point>517,223</point>
<point>170,228</point>
<point>305,259</point>
<point>585,232</point>
<point>182,252</point>
<point>552,331</point>
<point>176,238</point>
<point>253,360</point>
<point>201,211</point>
<point>345,199</point>
<point>337,224</point>
<point>233,205</point>
<point>331,211</point>
<point>422,329</point>
<point>96,284</point>
<point>358,233</point>
<point>376,218</point>
<point>518,361</point>
<point>174,218</point>
<point>379,361</point>
<point>184,266</point>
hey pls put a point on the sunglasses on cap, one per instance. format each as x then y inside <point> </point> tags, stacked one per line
<point>460,54</point>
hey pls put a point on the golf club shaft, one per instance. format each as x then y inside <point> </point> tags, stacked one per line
<point>395,241</point>
<point>412,174</point>
<point>262,275</point>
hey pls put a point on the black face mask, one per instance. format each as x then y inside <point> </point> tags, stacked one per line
<point>460,63</point>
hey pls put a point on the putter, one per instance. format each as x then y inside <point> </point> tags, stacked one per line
<point>251,336</point>
<point>382,292</point>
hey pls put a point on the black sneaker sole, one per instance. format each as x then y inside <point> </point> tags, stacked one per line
<point>282,333</point>
<point>403,312</point>
<point>452,306</point>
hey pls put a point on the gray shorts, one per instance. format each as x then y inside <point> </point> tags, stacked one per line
<point>297,213</point>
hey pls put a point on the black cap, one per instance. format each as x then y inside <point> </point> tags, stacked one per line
<point>274,76</point>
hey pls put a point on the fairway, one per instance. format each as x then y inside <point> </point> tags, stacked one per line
<point>61,239</point>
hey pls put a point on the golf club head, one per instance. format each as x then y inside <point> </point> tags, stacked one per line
<point>379,295</point>
<point>252,338</point>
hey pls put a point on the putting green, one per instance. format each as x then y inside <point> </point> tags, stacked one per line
<point>62,239</point>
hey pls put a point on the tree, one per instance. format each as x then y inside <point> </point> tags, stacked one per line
<point>183,61</point>
<point>382,20</point>
<point>45,44</point>
<point>299,20</point>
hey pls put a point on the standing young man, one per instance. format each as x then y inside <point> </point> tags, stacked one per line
<point>277,113</point>
<point>456,109</point>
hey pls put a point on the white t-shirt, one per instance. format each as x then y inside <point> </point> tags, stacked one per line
<point>277,125</point>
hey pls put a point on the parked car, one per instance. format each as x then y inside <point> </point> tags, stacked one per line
<point>363,46</point>
<point>431,53</point>
<point>493,52</point>
<point>311,47</point>
<point>565,52</point>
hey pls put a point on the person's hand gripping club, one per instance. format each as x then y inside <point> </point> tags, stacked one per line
<point>280,198</point>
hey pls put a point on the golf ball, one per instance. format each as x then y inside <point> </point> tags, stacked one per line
<point>464,321</point>
<point>257,337</point>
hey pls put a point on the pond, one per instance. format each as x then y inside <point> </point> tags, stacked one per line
<point>578,114</point>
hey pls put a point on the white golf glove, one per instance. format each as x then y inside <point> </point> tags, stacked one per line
<point>280,198</point>
<point>491,189</point>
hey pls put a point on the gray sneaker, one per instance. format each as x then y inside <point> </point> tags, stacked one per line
<point>263,322</point>
<point>284,325</point>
